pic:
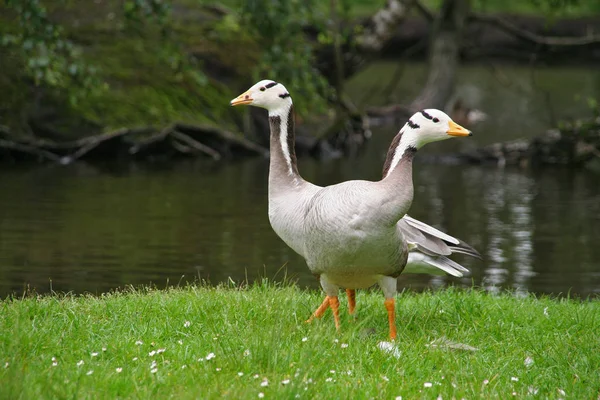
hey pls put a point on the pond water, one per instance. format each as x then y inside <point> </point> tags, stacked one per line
<point>86,228</point>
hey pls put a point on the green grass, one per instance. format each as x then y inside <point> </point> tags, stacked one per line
<point>257,334</point>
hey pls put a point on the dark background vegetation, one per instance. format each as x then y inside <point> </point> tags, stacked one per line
<point>73,69</point>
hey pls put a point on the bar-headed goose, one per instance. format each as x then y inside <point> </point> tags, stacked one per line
<point>356,233</point>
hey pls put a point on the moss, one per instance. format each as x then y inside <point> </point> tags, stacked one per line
<point>152,77</point>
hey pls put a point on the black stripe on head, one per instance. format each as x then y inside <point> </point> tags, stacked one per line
<point>426,115</point>
<point>284,95</point>
<point>412,124</point>
<point>270,85</point>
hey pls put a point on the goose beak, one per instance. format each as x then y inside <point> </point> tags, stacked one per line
<point>455,129</point>
<point>244,98</point>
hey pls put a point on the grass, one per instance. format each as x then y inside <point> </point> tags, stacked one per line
<point>203,342</point>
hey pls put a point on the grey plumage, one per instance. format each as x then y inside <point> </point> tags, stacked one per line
<point>356,233</point>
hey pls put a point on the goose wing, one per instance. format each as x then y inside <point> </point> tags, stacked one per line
<point>430,247</point>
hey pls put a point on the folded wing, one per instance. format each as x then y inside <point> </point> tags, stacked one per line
<point>429,249</point>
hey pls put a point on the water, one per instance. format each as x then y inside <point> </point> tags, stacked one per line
<point>85,228</point>
<point>520,101</point>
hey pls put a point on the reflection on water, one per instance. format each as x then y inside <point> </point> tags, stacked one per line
<point>514,232</point>
<point>533,229</point>
<point>85,229</point>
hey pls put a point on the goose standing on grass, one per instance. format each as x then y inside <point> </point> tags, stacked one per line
<point>356,233</point>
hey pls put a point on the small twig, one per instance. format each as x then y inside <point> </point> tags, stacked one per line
<point>223,135</point>
<point>194,144</point>
<point>180,147</point>
<point>151,139</point>
<point>89,143</point>
<point>29,150</point>
<point>96,139</point>
<point>553,41</point>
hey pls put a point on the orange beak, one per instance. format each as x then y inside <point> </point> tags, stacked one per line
<point>244,98</point>
<point>457,130</point>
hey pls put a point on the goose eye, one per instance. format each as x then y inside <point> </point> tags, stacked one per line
<point>436,120</point>
<point>262,89</point>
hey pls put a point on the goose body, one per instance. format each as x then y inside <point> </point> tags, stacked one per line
<point>356,233</point>
<point>349,240</point>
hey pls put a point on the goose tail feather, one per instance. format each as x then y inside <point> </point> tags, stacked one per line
<point>420,263</point>
<point>429,249</point>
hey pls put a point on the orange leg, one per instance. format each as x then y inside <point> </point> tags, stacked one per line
<point>334,303</point>
<point>351,293</point>
<point>320,311</point>
<point>390,307</point>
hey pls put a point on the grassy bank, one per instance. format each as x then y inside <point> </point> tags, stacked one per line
<point>201,342</point>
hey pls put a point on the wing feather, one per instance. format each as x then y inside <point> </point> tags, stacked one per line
<point>430,247</point>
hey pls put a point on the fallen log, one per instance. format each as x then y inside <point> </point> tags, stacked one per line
<point>106,145</point>
<point>10,150</point>
<point>575,144</point>
<point>223,141</point>
<point>141,143</point>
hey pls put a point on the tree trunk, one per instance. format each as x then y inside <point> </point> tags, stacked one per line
<point>444,55</point>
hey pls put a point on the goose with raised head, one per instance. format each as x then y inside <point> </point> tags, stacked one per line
<point>356,233</point>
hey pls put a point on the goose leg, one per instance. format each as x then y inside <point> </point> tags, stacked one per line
<point>391,310</point>
<point>351,294</point>
<point>334,303</point>
<point>388,285</point>
<point>319,311</point>
<point>331,300</point>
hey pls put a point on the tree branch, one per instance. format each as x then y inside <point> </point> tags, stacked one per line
<point>552,41</point>
<point>424,11</point>
<point>195,145</point>
<point>382,26</point>
<point>24,148</point>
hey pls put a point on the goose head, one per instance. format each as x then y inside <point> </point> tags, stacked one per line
<point>266,94</point>
<point>431,125</point>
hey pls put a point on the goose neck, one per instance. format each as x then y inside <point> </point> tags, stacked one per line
<point>283,164</point>
<point>397,185</point>
<point>400,153</point>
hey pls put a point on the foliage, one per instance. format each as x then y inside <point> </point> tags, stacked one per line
<point>49,58</point>
<point>202,342</point>
<point>287,54</point>
<point>128,64</point>
<point>55,62</point>
<point>87,70</point>
<point>548,8</point>
<point>142,11</point>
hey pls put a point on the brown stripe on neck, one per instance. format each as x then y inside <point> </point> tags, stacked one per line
<point>276,145</point>
<point>408,155</point>
<point>390,154</point>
